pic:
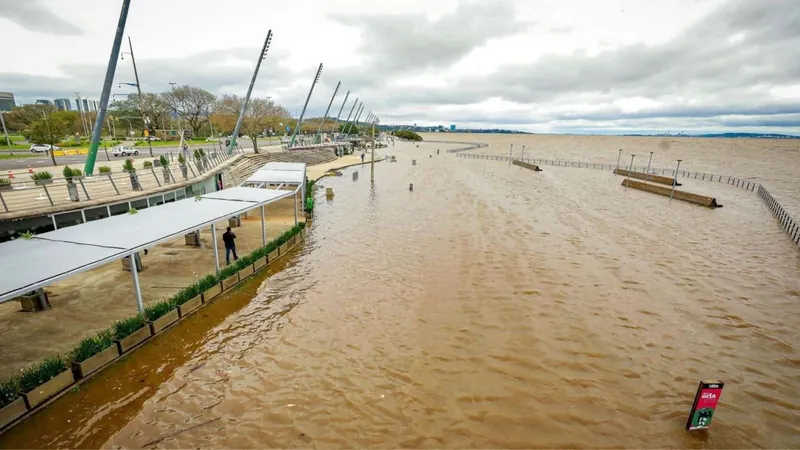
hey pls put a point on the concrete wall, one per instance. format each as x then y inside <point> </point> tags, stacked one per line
<point>654,178</point>
<point>680,195</point>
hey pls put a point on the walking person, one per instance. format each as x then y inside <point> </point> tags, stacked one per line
<point>229,238</point>
<point>362,157</point>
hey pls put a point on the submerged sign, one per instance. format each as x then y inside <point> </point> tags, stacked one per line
<point>705,404</point>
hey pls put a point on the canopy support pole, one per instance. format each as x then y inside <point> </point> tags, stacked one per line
<point>137,290</point>
<point>216,250</point>
<point>295,207</point>
<point>263,228</point>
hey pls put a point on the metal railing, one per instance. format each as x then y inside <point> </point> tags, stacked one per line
<point>29,195</point>
<point>748,185</point>
<point>789,224</point>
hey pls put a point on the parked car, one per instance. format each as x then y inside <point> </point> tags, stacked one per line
<point>43,148</point>
<point>122,150</point>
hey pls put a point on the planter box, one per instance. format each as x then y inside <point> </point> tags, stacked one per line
<point>293,241</point>
<point>190,306</point>
<point>4,188</point>
<point>11,411</point>
<point>273,255</point>
<point>259,264</point>
<point>211,293</point>
<point>34,302</point>
<point>83,368</point>
<point>192,239</point>
<point>164,321</point>
<point>230,282</point>
<point>136,337</point>
<point>246,272</point>
<point>284,248</point>
<point>49,389</point>
<point>43,182</point>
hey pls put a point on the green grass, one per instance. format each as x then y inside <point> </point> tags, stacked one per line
<point>174,143</point>
<point>6,155</point>
<point>158,309</point>
<point>125,327</point>
<point>40,373</point>
<point>92,346</point>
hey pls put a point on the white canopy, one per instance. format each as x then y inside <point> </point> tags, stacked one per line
<point>279,173</point>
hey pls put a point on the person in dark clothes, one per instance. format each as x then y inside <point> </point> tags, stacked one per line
<point>229,238</point>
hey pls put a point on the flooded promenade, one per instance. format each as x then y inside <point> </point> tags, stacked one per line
<point>490,307</point>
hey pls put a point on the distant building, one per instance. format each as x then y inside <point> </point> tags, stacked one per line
<point>63,104</point>
<point>85,105</point>
<point>43,102</point>
<point>7,102</point>
<point>95,105</point>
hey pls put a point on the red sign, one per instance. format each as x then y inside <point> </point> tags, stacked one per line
<point>705,404</point>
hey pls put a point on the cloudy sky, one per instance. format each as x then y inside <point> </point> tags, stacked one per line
<point>532,65</point>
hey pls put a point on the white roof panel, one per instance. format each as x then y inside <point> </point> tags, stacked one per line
<point>246,194</point>
<point>277,177</point>
<point>26,262</point>
<point>283,166</point>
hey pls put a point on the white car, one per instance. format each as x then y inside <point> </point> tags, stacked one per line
<point>124,151</point>
<point>43,148</point>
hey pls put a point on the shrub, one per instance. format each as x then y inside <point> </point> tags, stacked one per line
<point>4,182</point>
<point>408,134</point>
<point>125,327</point>
<point>69,172</point>
<point>92,346</point>
<point>43,175</point>
<point>147,164</point>
<point>127,166</point>
<point>163,160</point>
<point>40,373</point>
<point>158,309</point>
<point>104,169</point>
<point>9,391</point>
<point>181,159</point>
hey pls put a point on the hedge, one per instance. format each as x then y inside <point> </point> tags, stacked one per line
<point>48,368</point>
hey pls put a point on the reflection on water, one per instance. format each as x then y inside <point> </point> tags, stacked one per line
<point>490,307</point>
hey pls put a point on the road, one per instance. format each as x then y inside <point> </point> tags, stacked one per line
<point>43,160</point>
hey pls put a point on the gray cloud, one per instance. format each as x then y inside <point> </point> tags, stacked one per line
<point>412,43</point>
<point>34,16</point>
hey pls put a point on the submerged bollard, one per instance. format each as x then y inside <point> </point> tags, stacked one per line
<point>413,162</point>
<point>705,404</point>
<point>411,186</point>
<point>355,176</point>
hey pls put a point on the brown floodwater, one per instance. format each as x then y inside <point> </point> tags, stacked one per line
<point>490,307</point>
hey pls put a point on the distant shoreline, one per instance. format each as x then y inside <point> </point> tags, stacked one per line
<point>709,135</point>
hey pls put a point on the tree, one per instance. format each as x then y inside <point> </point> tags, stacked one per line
<point>190,103</point>
<point>408,135</point>
<point>261,114</point>
<point>22,117</point>
<point>351,129</point>
<point>51,128</point>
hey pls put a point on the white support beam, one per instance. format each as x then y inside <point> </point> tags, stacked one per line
<point>263,228</point>
<point>137,290</point>
<point>216,250</point>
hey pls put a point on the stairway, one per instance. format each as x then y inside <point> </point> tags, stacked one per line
<point>246,167</point>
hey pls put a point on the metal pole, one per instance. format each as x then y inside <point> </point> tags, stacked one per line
<point>358,111</point>
<point>647,174</point>
<point>325,116</point>
<point>618,157</point>
<point>522,158</point>
<point>349,114</point>
<point>136,288</point>
<point>356,119</point>
<point>5,132</point>
<point>261,56</point>
<point>372,161</point>
<point>295,207</point>
<point>675,180</point>
<point>346,96</point>
<point>216,250</point>
<point>263,228</point>
<point>83,116</point>
<point>310,91</point>
<point>629,172</point>
<point>510,153</point>
<point>88,168</point>
<point>145,119</point>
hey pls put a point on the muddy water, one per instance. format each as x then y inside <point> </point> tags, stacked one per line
<point>490,307</point>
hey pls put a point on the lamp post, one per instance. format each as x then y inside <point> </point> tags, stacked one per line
<point>346,96</point>
<point>618,157</point>
<point>647,174</point>
<point>325,116</point>
<point>261,57</point>
<point>310,91</point>
<point>145,119</point>
<point>5,132</point>
<point>630,169</point>
<point>675,180</point>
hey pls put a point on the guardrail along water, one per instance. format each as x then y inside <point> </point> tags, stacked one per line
<point>490,307</point>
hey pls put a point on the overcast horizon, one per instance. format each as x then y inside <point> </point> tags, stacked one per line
<point>546,66</point>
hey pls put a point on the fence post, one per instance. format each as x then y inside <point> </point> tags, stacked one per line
<point>48,194</point>
<point>113,184</point>
<point>153,171</point>
<point>4,202</point>
<point>84,189</point>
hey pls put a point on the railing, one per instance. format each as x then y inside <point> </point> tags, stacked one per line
<point>731,180</point>
<point>789,224</point>
<point>29,195</point>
